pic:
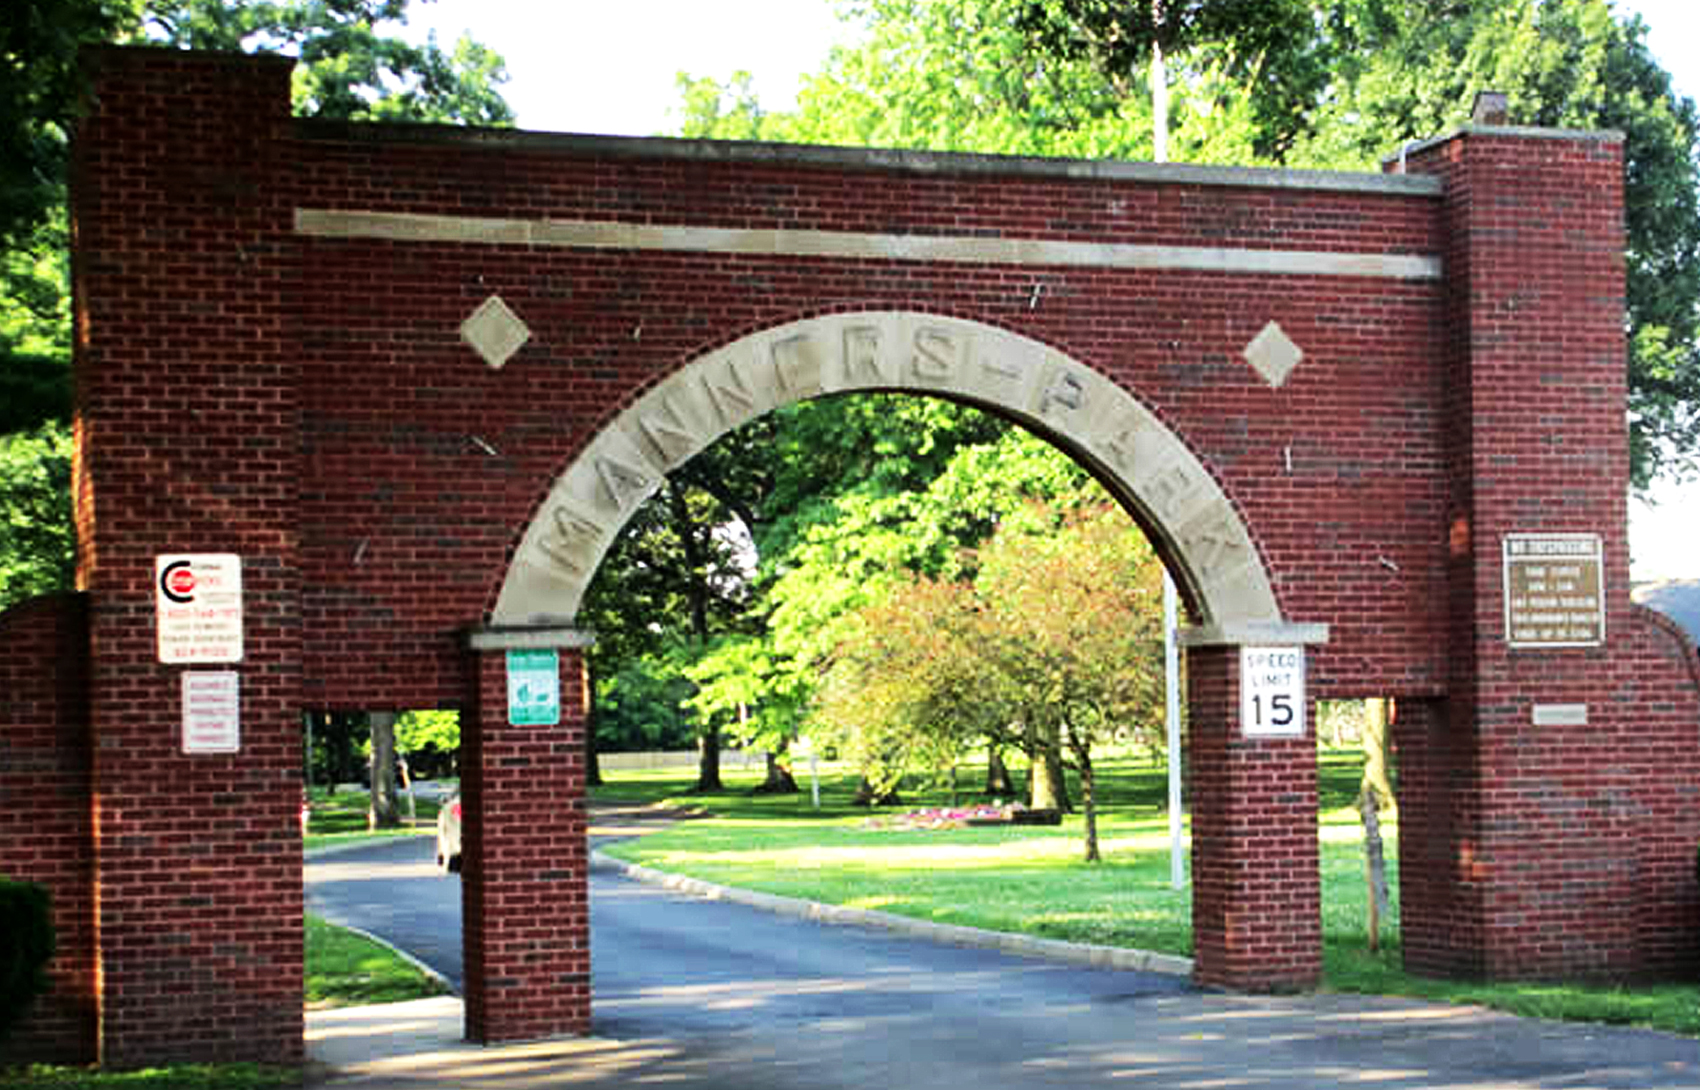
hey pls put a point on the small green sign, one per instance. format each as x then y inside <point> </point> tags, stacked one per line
<point>534,688</point>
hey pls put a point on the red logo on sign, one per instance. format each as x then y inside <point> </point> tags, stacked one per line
<point>182,581</point>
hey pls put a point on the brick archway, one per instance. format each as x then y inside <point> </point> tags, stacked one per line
<point>1257,895</point>
<point>356,358</point>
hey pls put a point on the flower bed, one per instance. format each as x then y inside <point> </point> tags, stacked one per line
<point>963,817</point>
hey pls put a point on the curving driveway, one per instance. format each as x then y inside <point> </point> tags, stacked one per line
<point>711,994</point>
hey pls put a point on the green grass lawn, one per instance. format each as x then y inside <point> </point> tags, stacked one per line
<point>342,819</point>
<point>345,969</point>
<point>1033,880</point>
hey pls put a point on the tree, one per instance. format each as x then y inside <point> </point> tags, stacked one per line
<point>1268,48</point>
<point>41,85</point>
<point>1077,615</point>
<point>429,741</point>
<point>350,66</point>
<point>37,543</point>
<point>673,581</point>
<point>1057,634</point>
<point>1563,63</point>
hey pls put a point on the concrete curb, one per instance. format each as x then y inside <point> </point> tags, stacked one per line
<point>324,850</point>
<point>1097,957</point>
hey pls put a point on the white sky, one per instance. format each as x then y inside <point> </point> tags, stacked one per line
<point>612,68</point>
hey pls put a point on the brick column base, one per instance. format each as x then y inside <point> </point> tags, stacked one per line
<point>525,891</point>
<point>1256,884</point>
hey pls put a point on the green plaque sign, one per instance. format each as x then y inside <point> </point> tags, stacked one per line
<point>534,688</point>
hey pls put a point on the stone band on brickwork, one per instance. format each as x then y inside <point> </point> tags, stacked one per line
<point>961,249</point>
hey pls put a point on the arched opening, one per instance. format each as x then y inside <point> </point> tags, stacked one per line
<point>1191,522</point>
<point>1242,873</point>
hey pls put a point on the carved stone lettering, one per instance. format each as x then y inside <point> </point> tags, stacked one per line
<point>1121,446</point>
<point>623,485</point>
<point>1139,456</point>
<point>1005,369</point>
<point>1213,547</point>
<point>730,396</point>
<point>797,365</point>
<point>1065,392</point>
<point>667,432</point>
<point>862,356</point>
<point>938,354</point>
<point>1168,490</point>
<point>570,542</point>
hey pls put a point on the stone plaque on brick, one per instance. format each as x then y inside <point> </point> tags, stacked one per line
<point>1554,590</point>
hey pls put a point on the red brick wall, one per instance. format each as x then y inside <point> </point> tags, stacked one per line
<point>307,403</point>
<point>188,442</point>
<point>525,870</point>
<point>44,812</point>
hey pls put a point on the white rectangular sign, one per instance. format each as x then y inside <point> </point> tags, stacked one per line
<point>212,711</point>
<point>1272,692</point>
<point>198,600</point>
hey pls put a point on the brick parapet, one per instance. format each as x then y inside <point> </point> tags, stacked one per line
<point>45,832</point>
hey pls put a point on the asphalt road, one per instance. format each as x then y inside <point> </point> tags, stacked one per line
<point>722,995</point>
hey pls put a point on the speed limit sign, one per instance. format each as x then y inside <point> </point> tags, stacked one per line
<point>1272,692</point>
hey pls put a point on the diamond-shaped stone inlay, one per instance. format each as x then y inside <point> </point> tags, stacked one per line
<point>1273,354</point>
<point>494,331</point>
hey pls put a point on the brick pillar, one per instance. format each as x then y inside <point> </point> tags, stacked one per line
<point>1532,776</point>
<point>187,442</point>
<point>1256,881</point>
<point>525,870</point>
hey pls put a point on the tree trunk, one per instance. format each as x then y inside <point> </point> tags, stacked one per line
<point>1046,785</point>
<point>697,591</point>
<point>1375,794</point>
<point>382,813</point>
<point>867,796</point>
<point>708,759</point>
<point>1375,867</point>
<point>407,786</point>
<point>1378,776</point>
<point>1089,801</point>
<point>998,782</point>
<point>779,779</point>
<point>592,763</point>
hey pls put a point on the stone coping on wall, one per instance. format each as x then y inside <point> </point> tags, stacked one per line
<point>527,637</point>
<point>888,160</point>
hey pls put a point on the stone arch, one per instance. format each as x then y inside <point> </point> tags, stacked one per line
<point>1144,464</point>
